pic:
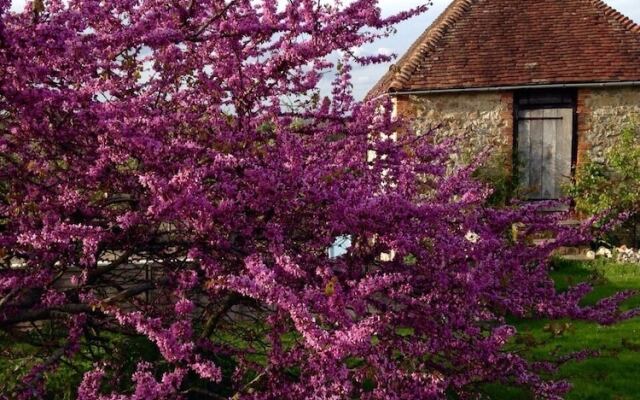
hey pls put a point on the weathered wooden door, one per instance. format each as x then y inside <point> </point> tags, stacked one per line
<point>545,141</point>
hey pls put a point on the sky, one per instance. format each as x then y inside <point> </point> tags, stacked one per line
<point>364,78</point>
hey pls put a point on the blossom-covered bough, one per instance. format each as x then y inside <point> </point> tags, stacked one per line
<point>169,172</point>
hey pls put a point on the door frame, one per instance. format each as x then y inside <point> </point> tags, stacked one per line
<point>535,99</point>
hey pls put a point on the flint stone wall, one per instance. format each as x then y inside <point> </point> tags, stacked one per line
<point>480,120</point>
<point>605,113</point>
<point>485,120</point>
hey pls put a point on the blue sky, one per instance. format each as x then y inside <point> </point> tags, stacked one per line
<point>365,78</point>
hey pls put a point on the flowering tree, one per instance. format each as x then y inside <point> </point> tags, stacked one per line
<point>170,173</point>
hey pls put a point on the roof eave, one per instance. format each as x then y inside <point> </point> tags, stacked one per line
<point>512,88</point>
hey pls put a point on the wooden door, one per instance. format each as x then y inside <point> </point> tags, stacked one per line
<point>545,141</point>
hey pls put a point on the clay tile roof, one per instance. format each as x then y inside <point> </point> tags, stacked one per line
<point>489,43</point>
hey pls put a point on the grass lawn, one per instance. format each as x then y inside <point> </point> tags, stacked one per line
<point>613,374</point>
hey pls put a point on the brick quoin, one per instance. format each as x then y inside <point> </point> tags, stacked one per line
<point>584,126</point>
<point>404,106</point>
<point>508,131</point>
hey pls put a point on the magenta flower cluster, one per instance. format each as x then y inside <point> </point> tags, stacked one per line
<point>169,170</point>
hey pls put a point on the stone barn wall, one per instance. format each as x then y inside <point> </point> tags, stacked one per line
<point>602,114</point>
<point>485,119</point>
<point>481,120</point>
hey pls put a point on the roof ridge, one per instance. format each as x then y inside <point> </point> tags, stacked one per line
<point>428,41</point>
<point>609,11</point>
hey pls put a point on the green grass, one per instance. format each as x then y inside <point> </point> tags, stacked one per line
<point>613,373</point>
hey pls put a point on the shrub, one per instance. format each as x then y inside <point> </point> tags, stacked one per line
<point>612,185</point>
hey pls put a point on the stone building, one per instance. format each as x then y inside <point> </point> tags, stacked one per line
<point>551,81</point>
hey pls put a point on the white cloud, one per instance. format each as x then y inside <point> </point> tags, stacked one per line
<point>17,5</point>
<point>385,51</point>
